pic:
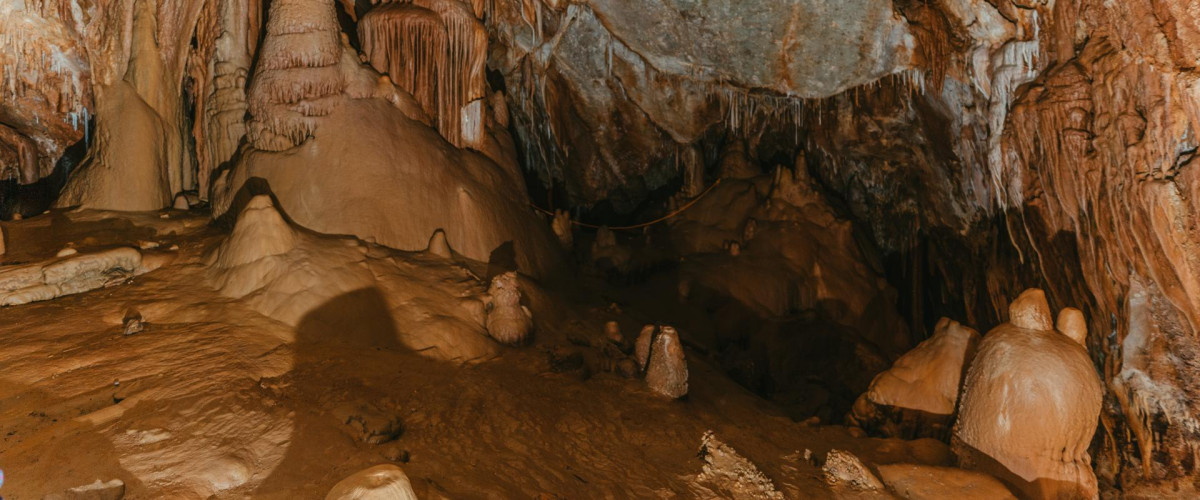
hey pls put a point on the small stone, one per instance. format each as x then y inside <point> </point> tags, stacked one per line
<point>612,332</point>
<point>133,323</point>
<point>844,469</point>
<point>112,490</point>
<point>627,368</point>
<point>378,482</point>
<point>394,452</point>
<point>66,252</point>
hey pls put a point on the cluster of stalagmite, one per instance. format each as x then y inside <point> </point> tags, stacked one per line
<point>1030,403</point>
<point>659,354</point>
<point>297,79</point>
<point>437,51</point>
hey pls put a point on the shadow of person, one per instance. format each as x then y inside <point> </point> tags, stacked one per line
<point>339,333</point>
<point>45,450</point>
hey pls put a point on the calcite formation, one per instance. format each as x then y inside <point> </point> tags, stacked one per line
<point>1030,404</point>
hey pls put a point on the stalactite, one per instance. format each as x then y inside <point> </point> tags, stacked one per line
<point>461,71</point>
<point>403,41</point>
<point>435,49</point>
<point>297,78</point>
<point>45,82</point>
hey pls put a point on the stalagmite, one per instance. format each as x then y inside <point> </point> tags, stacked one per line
<point>439,246</point>
<point>508,321</point>
<point>642,346</point>
<point>563,229</point>
<point>260,232</point>
<point>666,371</point>
<point>1029,406</point>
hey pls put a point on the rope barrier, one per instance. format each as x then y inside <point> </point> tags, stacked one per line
<point>644,224</point>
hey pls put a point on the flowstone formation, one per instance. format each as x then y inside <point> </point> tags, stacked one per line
<point>288,274</point>
<point>347,152</point>
<point>918,395</point>
<point>1030,404</point>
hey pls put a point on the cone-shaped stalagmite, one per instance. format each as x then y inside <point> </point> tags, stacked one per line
<point>667,373</point>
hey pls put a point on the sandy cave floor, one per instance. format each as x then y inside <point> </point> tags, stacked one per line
<point>214,400</point>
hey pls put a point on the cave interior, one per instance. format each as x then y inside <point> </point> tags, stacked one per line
<point>773,249</point>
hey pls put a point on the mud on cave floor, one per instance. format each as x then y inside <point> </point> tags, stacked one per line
<point>214,400</point>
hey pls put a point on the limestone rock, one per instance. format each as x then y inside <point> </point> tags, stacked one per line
<point>732,473</point>
<point>21,284</point>
<point>667,372</point>
<point>381,482</point>
<point>563,229</point>
<point>641,348</point>
<point>842,468</point>
<point>111,490</point>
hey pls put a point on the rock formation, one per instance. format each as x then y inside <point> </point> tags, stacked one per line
<point>1030,404</point>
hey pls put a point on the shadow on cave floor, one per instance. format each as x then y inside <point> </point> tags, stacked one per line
<point>41,428</point>
<point>348,327</point>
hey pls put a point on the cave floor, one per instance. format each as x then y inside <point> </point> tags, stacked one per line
<point>214,400</point>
